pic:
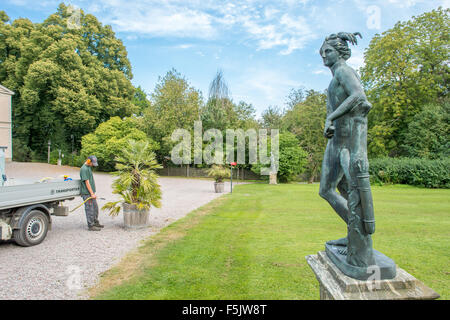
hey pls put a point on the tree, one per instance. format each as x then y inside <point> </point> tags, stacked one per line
<point>218,112</point>
<point>245,116</point>
<point>272,118</point>
<point>292,158</point>
<point>295,96</point>
<point>3,17</point>
<point>405,68</point>
<point>306,120</point>
<point>137,181</point>
<point>140,100</point>
<point>67,80</point>
<point>175,105</point>
<point>428,134</point>
<point>110,139</point>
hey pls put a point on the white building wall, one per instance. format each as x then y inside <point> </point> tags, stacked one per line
<point>5,124</point>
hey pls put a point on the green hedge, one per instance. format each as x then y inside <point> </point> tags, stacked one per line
<point>413,171</point>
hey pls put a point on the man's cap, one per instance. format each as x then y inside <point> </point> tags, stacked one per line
<point>93,160</point>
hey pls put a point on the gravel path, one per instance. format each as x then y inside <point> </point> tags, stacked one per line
<point>71,258</point>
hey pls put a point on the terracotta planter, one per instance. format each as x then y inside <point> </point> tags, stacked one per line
<point>218,187</point>
<point>134,218</point>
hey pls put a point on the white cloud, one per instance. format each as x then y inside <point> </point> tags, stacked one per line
<point>184,46</point>
<point>320,71</point>
<point>356,61</point>
<point>270,86</point>
<point>159,20</point>
<point>268,25</point>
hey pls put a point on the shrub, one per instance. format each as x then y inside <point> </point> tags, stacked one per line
<point>219,173</point>
<point>21,152</point>
<point>292,158</point>
<point>413,171</point>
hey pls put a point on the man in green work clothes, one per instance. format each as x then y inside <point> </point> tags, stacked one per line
<point>88,191</point>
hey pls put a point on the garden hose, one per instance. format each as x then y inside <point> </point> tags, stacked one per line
<point>84,203</point>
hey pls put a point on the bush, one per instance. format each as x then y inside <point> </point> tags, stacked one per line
<point>413,171</point>
<point>21,152</point>
<point>292,159</point>
<point>428,134</point>
<point>219,173</point>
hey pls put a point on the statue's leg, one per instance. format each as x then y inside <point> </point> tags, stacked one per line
<point>331,174</point>
<point>344,187</point>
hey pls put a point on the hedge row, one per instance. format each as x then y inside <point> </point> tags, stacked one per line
<point>413,171</point>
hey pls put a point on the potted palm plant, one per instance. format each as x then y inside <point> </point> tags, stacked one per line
<point>136,183</point>
<point>219,173</point>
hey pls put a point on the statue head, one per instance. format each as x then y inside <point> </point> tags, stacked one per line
<point>337,47</point>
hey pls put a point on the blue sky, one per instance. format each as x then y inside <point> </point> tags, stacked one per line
<point>264,48</point>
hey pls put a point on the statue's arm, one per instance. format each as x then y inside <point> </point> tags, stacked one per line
<point>352,86</point>
<point>329,109</point>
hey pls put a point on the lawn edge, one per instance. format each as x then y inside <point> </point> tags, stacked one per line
<point>134,262</point>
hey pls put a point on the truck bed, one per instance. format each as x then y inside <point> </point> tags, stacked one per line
<point>28,194</point>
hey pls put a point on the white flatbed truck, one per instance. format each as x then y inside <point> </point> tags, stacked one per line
<point>26,209</point>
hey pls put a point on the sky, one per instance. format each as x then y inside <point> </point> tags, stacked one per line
<point>264,48</point>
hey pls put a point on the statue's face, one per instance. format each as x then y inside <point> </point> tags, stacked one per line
<point>329,55</point>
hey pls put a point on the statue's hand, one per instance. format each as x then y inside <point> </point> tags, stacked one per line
<point>329,129</point>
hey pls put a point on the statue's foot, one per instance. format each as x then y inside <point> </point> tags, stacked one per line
<point>339,242</point>
<point>343,251</point>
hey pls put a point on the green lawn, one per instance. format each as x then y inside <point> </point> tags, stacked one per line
<point>252,245</point>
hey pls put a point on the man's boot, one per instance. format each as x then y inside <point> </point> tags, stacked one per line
<point>94,228</point>
<point>97,224</point>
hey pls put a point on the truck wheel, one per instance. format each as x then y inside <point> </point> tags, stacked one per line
<point>33,230</point>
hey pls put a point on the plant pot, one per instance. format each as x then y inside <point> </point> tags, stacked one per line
<point>134,218</point>
<point>219,186</point>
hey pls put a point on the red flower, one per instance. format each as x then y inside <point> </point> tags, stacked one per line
<point>233,164</point>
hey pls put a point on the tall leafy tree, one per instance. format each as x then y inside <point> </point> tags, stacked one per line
<point>219,111</point>
<point>405,68</point>
<point>295,96</point>
<point>67,78</point>
<point>428,134</point>
<point>306,120</point>
<point>245,116</point>
<point>140,100</point>
<point>175,105</point>
<point>272,118</point>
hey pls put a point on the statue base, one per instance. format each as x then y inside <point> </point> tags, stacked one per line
<point>335,285</point>
<point>384,267</point>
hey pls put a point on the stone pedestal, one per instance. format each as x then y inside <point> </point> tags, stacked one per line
<point>273,178</point>
<point>384,266</point>
<point>334,285</point>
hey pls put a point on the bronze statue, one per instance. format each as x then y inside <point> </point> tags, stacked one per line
<point>345,165</point>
